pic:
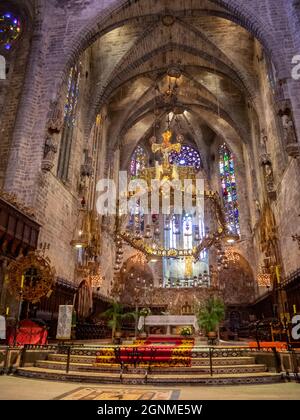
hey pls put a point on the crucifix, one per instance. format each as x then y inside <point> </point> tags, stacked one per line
<point>166,147</point>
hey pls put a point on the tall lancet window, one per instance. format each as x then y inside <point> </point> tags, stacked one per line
<point>138,161</point>
<point>69,122</point>
<point>229,190</point>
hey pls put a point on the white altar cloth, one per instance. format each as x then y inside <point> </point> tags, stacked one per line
<point>172,320</point>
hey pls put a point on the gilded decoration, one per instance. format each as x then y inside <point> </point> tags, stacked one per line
<point>30,278</point>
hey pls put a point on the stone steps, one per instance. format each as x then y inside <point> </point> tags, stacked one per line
<point>203,361</point>
<point>186,366</point>
<point>84,367</point>
<point>152,378</point>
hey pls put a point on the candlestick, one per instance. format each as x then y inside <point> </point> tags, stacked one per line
<point>278,274</point>
<point>7,311</point>
<point>22,281</point>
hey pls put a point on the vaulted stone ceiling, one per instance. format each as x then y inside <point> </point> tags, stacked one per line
<point>215,55</point>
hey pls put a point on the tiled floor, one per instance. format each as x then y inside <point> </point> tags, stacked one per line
<point>14,388</point>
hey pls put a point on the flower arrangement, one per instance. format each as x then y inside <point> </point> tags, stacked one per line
<point>186,332</point>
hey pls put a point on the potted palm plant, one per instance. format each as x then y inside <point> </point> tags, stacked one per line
<point>210,316</point>
<point>115,315</point>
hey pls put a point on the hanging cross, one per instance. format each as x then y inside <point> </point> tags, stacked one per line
<point>32,277</point>
<point>166,148</point>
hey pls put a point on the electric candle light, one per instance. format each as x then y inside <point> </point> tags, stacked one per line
<point>278,274</point>
<point>22,281</point>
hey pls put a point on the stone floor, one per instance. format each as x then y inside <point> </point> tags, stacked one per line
<point>14,388</point>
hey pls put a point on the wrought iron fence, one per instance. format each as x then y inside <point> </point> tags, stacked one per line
<point>146,357</point>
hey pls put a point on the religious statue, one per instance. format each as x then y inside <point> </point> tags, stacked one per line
<point>288,126</point>
<point>54,126</point>
<point>268,175</point>
<point>289,132</point>
<point>266,163</point>
<point>189,266</point>
<point>50,151</point>
<point>56,117</point>
<point>258,208</point>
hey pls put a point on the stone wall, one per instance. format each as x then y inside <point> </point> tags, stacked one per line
<point>10,92</point>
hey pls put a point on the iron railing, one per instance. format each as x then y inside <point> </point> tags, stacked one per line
<point>145,357</point>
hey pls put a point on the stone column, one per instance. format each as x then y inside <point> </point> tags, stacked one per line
<point>28,138</point>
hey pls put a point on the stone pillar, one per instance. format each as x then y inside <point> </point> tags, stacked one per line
<point>27,145</point>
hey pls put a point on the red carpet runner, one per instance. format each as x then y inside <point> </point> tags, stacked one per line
<point>159,351</point>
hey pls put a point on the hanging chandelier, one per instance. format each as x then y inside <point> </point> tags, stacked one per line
<point>179,238</point>
<point>231,255</point>
<point>148,238</point>
<point>264,278</point>
<point>201,281</point>
<point>96,279</point>
<point>139,259</point>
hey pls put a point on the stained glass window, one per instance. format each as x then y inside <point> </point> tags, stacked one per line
<point>10,29</point>
<point>187,157</point>
<point>72,96</point>
<point>69,122</point>
<point>138,161</point>
<point>229,191</point>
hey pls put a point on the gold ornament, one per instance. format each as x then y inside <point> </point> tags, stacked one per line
<point>30,278</point>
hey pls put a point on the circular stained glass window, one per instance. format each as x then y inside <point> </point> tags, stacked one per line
<point>10,29</point>
<point>187,157</point>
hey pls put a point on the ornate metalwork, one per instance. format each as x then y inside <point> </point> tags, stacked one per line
<point>30,278</point>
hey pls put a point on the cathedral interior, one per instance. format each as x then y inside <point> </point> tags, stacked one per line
<point>97,96</point>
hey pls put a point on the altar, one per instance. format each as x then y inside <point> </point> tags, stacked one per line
<point>170,321</point>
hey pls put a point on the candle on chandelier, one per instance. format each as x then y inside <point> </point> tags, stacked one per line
<point>22,281</point>
<point>295,309</point>
<point>278,274</point>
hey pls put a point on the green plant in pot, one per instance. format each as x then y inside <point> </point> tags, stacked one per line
<point>115,315</point>
<point>210,316</point>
